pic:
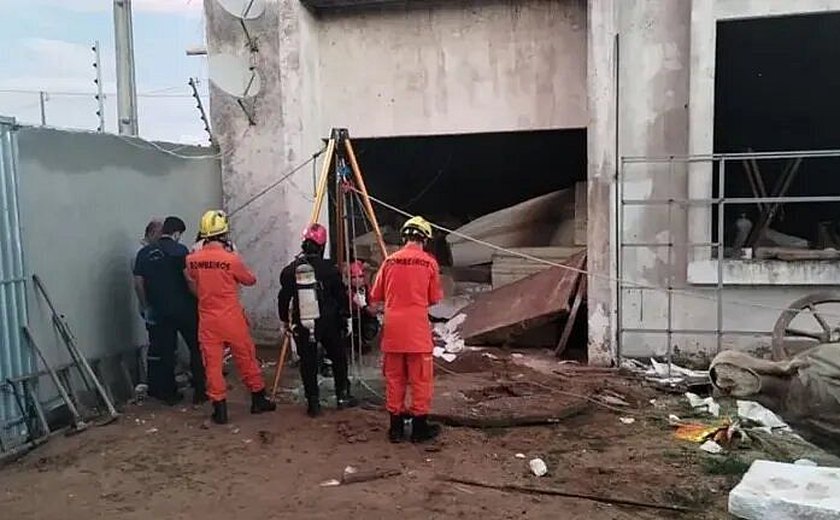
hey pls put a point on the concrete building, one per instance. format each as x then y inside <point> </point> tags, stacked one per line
<point>630,78</point>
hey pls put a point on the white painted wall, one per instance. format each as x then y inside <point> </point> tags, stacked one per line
<point>454,69</point>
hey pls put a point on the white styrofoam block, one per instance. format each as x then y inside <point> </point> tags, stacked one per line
<point>780,491</point>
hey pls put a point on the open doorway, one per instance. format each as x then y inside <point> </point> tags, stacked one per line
<point>520,190</point>
<point>776,89</point>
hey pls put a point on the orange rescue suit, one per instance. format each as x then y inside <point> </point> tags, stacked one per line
<point>217,274</point>
<point>408,283</point>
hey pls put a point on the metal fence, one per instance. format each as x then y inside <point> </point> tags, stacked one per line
<point>682,239</point>
<point>15,357</point>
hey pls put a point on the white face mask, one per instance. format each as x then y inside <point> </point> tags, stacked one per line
<point>176,236</point>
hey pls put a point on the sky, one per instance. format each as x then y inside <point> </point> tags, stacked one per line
<point>45,45</point>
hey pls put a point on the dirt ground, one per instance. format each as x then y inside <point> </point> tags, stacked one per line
<point>159,462</point>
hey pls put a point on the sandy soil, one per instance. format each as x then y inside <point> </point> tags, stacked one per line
<point>159,462</point>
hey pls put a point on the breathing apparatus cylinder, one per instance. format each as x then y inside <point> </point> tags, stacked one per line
<point>307,289</point>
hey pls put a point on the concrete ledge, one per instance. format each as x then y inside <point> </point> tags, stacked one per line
<point>765,272</point>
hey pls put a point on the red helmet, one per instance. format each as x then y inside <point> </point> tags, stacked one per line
<point>316,233</point>
<point>357,268</point>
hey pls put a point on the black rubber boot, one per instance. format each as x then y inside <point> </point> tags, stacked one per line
<point>396,433</point>
<point>260,403</point>
<point>422,430</point>
<point>313,407</point>
<point>220,415</point>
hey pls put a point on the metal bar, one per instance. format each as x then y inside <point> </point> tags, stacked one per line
<point>705,332</point>
<point>805,154</point>
<point>619,264</point>
<point>734,200</point>
<point>42,101</point>
<point>720,249</point>
<point>670,267</point>
<point>12,280</point>
<point>100,94</point>
<point>667,244</point>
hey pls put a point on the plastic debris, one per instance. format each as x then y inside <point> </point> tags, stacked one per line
<point>711,447</point>
<point>152,430</point>
<point>538,467</point>
<point>757,413</point>
<point>520,455</point>
<point>349,470</point>
<point>696,432</point>
<point>673,420</point>
<point>331,483</point>
<point>627,420</point>
<point>708,404</point>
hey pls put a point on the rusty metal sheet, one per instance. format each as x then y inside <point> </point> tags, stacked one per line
<point>498,316</point>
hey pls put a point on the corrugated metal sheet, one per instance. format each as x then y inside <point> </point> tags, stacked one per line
<point>15,356</point>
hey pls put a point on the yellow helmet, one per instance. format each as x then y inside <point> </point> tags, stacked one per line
<point>213,223</point>
<point>418,225</point>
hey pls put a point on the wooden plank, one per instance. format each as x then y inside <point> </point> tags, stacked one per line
<point>502,314</point>
<point>509,267</point>
<point>570,321</point>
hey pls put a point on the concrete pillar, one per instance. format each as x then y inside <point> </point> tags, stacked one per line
<point>601,142</point>
<point>267,231</point>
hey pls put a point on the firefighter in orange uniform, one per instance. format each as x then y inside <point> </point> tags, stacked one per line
<point>216,272</point>
<point>408,283</point>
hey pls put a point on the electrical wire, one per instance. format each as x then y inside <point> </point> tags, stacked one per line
<point>152,146</point>
<point>625,283</point>
<point>277,182</point>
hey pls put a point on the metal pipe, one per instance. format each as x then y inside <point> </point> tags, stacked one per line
<point>720,249</point>
<point>126,85</point>
<point>100,94</point>
<point>805,154</point>
<point>734,200</point>
<point>42,99</point>
<point>706,332</point>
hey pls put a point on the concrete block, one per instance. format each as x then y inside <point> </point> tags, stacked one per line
<point>780,491</point>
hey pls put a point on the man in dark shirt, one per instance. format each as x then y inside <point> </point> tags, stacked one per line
<point>169,308</point>
<point>329,328</point>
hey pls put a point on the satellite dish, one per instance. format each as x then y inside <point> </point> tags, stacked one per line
<point>244,9</point>
<point>234,75</point>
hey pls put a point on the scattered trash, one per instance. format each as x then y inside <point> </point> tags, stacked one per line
<point>331,483</point>
<point>612,399</point>
<point>673,420</point>
<point>517,355</point>
<point>805,462</point>
<point>627,420</point>
<point>697,432</point>
<point>520,455</point>
<point>757,413</point>
<point>490,356</point>
<point>440,352</point>
<point>247,441</point>
<point>652,402</point>
<point>538,467</point>
<point>234,431</point>
<point>708,404</point>
<point>659,373</point>
<point>711,447</point>
<point>349,470</point>
<point>779,490</point>
<point>152,430</point>
<point>447,336</point>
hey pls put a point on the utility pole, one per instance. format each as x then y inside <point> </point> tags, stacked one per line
<point>100,96</point>
<point>43,99</point>
<point>126,86</point>
<point>200,106</point>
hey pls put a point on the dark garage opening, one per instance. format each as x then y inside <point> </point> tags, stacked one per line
<point>776,89</point>
<point>454,179</point>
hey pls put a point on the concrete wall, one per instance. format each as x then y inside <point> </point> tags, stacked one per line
<point>665,88</point>
<point>463,67</point>
<point>85,200</point>
<point>454,69</point>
